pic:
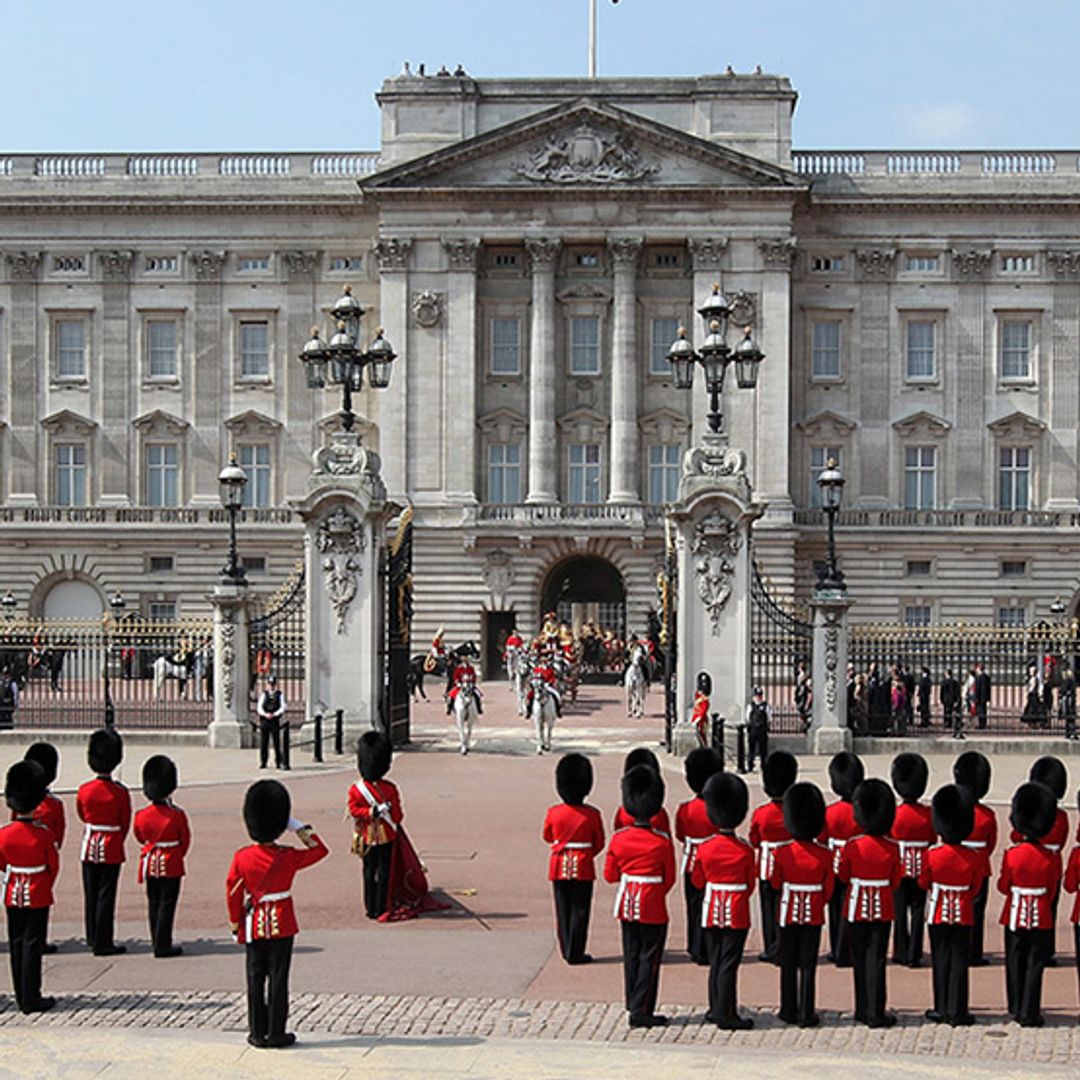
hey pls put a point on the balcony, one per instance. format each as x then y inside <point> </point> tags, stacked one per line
<point>155,516</point>
<point>943,519</point>
<point>560,516</point>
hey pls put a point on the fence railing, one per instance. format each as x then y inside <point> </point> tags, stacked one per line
<point>142,515</point>
<point>944,519</point>
<point>890,163</point>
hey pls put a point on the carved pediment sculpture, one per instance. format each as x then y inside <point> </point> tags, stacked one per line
<point>427,308</point>
<point>587,155</point>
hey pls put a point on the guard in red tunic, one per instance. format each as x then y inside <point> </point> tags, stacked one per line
<point>724,871</point>
<point>575,832</point>
<point>29,863</point>
<point>513,641</point>
<point>463,681</point>
<point>952,875</point>
<point>642,862</point>
<point>162,829</point>
<point>257,893</point>
<point>913,831</point>
<point>870,868</point>
<point>50,811</point>
<point>1072,884</point>
<point>642,755</point>
<point>971,770</point>
<point>104,806</point>
<point>802,874</point>
<point>699,715</point>
<point>375,807</point>
<point>846,773</point>
<point>692,828</point>
<point>543,668</point>
<point>1029,879</point>
<point>767,833</point>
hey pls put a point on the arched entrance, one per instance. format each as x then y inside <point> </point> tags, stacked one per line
<point>586,588</point>
<point>72,599</point>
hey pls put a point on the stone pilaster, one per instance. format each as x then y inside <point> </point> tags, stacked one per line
<point>114,377</point>
<point>231,726</point>
<point>829,731</point>
<point>871,356</point>
<point>1062,447</point>
<point>968,405</point>
<point>543,440</point>
<point>625,471</point>
<point>460,419</point>
<point>212,376</point>
<point>392,255</point>
<point>23,388</point>
<point>296,401</point>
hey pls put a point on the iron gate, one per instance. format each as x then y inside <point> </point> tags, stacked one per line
<point>397,623</point>
<point>277,645</point>
<point>779,642</point>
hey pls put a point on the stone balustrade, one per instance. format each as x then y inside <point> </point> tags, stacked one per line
<point>961,163</point>
<point>943,519</point>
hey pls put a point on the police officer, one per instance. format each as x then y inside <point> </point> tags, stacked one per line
<point>271,708</point>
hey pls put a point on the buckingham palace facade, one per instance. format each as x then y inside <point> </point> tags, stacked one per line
<point>531,247</point>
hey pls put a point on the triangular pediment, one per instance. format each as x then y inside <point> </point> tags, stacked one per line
<point>922,423</point>
<point>67,422</point>
<point>251,422</point>
<point>584,145</point>
<point>826,421</point>
<point>503,423</point>
<point>1017,423</point>
<point>159,422</point>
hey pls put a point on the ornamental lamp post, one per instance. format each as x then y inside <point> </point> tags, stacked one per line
<point>8,603</point>
<point>232,480</point>
<point>117,603</point>
<point>831,484</point>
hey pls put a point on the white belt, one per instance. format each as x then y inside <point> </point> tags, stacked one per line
<point>578,845</point>
<point>690,844</point>
<point>267,898</point>
<point>16,871</point>
<point>88,831</point>
<point>911,847</point>
<point>765,862</point>
<point>728,889</point>
<point>857,885</point>
<point>951,895</point>
<point>976,845</point>
<point>153,846</point>
<point>1020,905</point>
<point>1053,847</point>
<point>571,867</point>
<point>793,889</point>
<point>634,879</point>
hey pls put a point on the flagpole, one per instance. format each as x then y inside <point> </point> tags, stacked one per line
<point>592,39</point>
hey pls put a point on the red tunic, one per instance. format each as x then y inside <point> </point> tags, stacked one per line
<point>840,827</point>
<point>50,812</point>
<point>952,874</point>
<point>724,870</point>
<point>576,836</point>
<point>464,675</point>
<point>700,715</point>
<point>913,831</point>
<point>375,828</point>
<point>29,861</point>
<point>767,833</point>
<point>1029,880</point>
<point>1055,839</point>
<point>257,889</point>
<point>692,827</point>
<point>985,833</point>
<point>163,831</point>
<point>1072,882</point>
<point>660,821</point>
<point>803,875</point>
<point>870,867</point>
<point>104,805</point>
<point>642,861</point>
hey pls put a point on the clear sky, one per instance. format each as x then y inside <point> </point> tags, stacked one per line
<point>301,74</point>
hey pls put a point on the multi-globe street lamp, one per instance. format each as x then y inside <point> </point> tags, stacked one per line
<point>232,481</point>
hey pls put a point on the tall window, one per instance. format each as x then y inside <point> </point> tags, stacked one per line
<point>825,358</point>
<point>162,474</point>
<point>69,475</point>
<point>70,348</point>
<point>921,342</point>
<point>584,473</point>
<point>664,332</point>
<point>1016,350</point>
<point>506,346</point>
<point>664,469</point>
<point>920,477</point>
<point>584,345</point>
<point>254,349</point>
<point>820,456</point>
<point>1014,478</point>
<point>161,339</point>
<point>916,614</point>
<point>1015,617</point>
<point>254,459</point>
<point>504,473</point>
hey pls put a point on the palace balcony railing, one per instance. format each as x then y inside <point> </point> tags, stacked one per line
<point>142,515</point>
<point>943,519</point>
<point>953,163</point>
<point>615,516</point>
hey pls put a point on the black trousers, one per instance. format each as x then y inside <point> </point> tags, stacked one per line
<point>377,879</point>
<point>869,951</point>
<point>978,931</point>
<point>99,903</point>
<point>643,950</point>
<point>162,893</point>
<point>909,902</point>
<point>695,941</point>
<point>770,899</point>
<point>268,986</point>
<point>839,937</point>
<point>758,746</point>
<point>725,949</point>
<point>1027,952</point>
<point>269,728</point>
<point>798,972</point>
<point>950,947</point>
<point>27,929</point>
<point>573,906</point>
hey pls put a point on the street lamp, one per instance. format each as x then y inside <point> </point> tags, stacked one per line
<point>831,484</point>
<point>342,362</point>
<point>1057,609</point>
<point>714,356</point>
<point>8,603</point>
<point>116,606</point>
<point>232,480</point>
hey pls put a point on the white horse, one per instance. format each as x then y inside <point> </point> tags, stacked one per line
<point>465,712</point>
<point>517,669</point>
<point>543,712</point>
<point>635,684</point>
<point>164,669</point>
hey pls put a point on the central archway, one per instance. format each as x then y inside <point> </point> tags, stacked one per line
<point>585,588</point>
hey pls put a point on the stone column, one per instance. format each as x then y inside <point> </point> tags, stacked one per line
<point>625,467</point>
<point>1061,490</point>
<point>231,726</point>
<point>460,415</point>
<point>115,376</point>
<point>706,254</point>
<point>968,396</point>
<point>392,255</point>
<point>211,377</point>
<point>543,439</point>
<point>296,402</point>
<point>22,392</point>
<point>829,731</point>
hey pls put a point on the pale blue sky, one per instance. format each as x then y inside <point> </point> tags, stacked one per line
<point>301,74</point>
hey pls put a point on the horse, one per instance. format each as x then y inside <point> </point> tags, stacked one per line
<point>465,712</point>
<point>431,663</point>
<point>166,668</point>
<point>635,683</point>
<point>517,668</point>
<point>543,712</point>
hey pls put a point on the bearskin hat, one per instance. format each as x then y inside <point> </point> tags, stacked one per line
<point>47,756</point>
<point>971,770</point>
<point>910,775</point>
<point>267,808</point>
<point>704,683</point>
<point>875,807</point>
<point>726,799</point>
<point>954,813</point>
<point>1051,772</point>
<point>804,811</point>
<point>373,755</point>
<point>641,755</point>
<point>779,772</point>
<point>1033,810</point>
<point>105,751</point>
<point>25,786</point>
<point>846,773</point>
<point>700,764</point>
<point>159,777</point>
<point>642,793</point>
<point>573,778</point>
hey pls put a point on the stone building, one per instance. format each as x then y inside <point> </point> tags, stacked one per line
<point>531,247</point>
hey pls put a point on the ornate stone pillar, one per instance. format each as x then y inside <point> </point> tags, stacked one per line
<point>116,377</point>
<point>22,389</point>
<point>392,255</point>
<point>460,372</point>
<point>543,440</point>
<point>212,380</point>
<point>1061,491</point>
<point>231,726</point>
<point>625,485</point>
<point>829,731</point>
<point>706,255</point>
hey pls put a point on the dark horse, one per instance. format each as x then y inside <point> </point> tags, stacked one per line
<point>422,664</point>
<point>22,662</point>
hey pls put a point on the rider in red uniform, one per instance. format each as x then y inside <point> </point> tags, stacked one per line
<point>513,641</point>
<point>544,669</point>
<point>464,676</point>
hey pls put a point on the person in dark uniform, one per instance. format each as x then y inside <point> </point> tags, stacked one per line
<point>758,724</point>
<point>923,692</point>
<point>982,696</point>
<point>271,709</point>
<point>949,696</point>
<point>1067,701</point>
